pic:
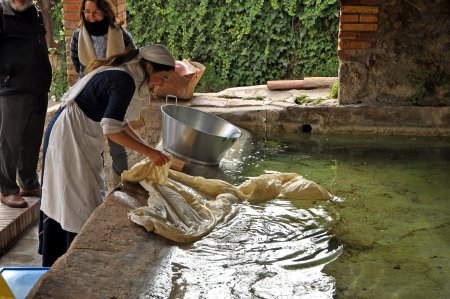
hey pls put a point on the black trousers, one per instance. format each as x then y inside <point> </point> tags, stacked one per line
<point>53,240</point>
<point>22,119</point>
<point>119,157</point>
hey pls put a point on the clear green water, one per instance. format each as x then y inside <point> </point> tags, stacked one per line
<point>385,235</point>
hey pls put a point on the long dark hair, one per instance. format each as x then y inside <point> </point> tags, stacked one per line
<point>128,55</point>
<point>106,7</point>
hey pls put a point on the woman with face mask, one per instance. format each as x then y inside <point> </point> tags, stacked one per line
<point>96,106</point>
<point>99,36</point>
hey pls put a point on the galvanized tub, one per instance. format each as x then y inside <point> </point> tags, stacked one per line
<point>195,135</point>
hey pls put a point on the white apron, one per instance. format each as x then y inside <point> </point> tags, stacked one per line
<point>73,183</point>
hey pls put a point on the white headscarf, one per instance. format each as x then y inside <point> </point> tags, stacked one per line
<point>157,54</point>
<point>154,53</point>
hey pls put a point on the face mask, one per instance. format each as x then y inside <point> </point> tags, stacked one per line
<point>97,28</point>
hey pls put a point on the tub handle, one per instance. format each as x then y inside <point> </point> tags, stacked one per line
<point>235,135</point>
<point>169,96</point>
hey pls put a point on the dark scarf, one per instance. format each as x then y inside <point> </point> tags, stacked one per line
<point>97,28</point>
<point>29,14</point>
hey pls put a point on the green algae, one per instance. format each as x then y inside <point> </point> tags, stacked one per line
<point>393,219</point>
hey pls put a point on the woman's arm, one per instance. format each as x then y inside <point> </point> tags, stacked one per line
<point>129,130</point>
<point>128,39</point>
<point>74,51</point>
<point>131,140</point>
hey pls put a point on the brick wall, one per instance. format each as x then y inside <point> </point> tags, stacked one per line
<point>358,27</point>
<point>71,20</point>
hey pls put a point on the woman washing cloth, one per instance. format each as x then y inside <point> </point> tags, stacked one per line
<point>73,180</point>
<point>99,36</point>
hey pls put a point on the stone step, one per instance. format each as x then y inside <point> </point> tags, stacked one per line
<point>13,222</point>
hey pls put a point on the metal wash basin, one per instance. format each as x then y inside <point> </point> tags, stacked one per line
<point>196,136</point>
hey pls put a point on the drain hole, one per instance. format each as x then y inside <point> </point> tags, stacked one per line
<point>306,128</point>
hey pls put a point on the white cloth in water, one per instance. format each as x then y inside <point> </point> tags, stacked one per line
<point>301,188</point>
<point>145,171</point>
<point>185,208</point>
<point>179,213</point>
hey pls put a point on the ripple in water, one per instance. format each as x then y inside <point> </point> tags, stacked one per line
<point>269,250</point>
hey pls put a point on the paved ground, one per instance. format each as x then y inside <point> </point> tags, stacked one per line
<point>24,252</point>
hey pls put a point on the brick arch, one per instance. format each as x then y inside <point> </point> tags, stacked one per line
<point>71,19</point>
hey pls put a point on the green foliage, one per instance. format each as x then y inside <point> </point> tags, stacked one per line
<point>227,96</point>
<point>305,99</point>
<point>334,90</point>
<point>426,82</point>
<point>319,100</point>
<point>57,16</point>
<point>210,80</point>
<point>242,42</point>
<point>302,99</point>
<point>59,83</point>
<point>257,98</point>
<point>59,72</point>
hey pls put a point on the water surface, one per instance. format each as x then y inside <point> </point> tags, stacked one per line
<point>386,234</point>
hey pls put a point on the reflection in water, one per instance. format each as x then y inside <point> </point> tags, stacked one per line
<point>390,221</point>
<point>268,250</point>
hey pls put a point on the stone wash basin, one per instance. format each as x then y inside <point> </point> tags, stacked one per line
<point>112,257</point>
<point>115,258</point>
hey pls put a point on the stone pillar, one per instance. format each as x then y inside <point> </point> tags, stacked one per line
<point>358,33</point>
<point>71,21</point>
<point>394,52</point>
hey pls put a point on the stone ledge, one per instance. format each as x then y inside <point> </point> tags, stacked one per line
<point>350,119</point>
<point>112,257</point>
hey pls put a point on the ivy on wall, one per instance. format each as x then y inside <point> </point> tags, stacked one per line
<point>59,68</point>
<point>242,42</point>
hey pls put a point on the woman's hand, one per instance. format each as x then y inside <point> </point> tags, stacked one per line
<point>131,140</point>
<point>157,157</point>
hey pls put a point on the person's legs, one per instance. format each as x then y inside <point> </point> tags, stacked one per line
<point>53,240</point>
<point>119,157</point>
<point>14,113</point>
<point>31,144</point>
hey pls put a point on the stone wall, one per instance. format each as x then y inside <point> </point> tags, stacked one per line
<point>391,52</point>
<point>71,20</point>
<point>394,52</point>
